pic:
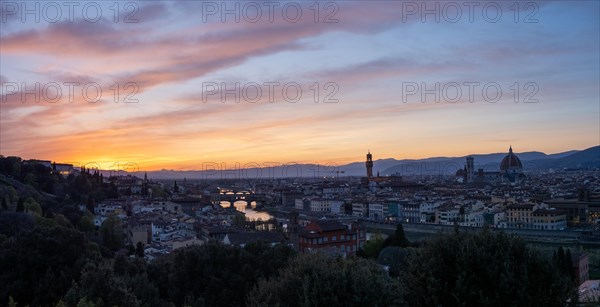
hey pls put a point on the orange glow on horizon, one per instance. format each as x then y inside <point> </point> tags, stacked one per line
<point>137,162</point>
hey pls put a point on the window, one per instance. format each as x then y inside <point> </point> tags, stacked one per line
<point>324,239</point>
<point>342,237</point>
<point>333,238</point>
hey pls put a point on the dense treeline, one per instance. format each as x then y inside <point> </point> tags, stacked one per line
<point>317,280</point>
<point>22,179</point>
<point>46,265</point>
<point>483,269</point>
<point>39,263</point>
<point>51,254</point>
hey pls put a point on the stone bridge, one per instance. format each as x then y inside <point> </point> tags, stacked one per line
<point>232,195</point>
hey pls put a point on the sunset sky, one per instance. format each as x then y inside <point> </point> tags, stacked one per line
<point>370,52</point>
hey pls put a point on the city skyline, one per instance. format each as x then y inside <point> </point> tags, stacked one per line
<point>299,153</point>
<point>535,161</point>
<point>376,59</point>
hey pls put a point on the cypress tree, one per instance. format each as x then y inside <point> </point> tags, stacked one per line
<point>139,250</point>
<point>90,205</point>
<point>569,264</point>
<point>20,205</point>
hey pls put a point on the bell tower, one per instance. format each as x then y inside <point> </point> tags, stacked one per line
<point>470,169</point>
<point>369,164</point>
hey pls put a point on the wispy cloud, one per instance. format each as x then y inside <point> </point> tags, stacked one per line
<point>171,51</point>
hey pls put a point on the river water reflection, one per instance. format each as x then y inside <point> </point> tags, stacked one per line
<point>251,214</point>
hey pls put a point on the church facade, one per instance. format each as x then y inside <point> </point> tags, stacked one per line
<point>510,170</point>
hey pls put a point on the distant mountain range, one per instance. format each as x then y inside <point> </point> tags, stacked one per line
<point>533,160</point>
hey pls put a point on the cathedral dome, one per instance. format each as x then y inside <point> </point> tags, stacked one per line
<point>510,162</point>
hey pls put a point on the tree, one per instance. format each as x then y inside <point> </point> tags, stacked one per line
<point>239,219</point>
<point>61,220</point>
<point>158,192</point>
<point>483,269</point>
<point>145,185</point>
<point>319,280</point>
<point>90,205</point>
<point>569,264</point>
<point>564,262</point>
<point>84,302</point>
<point>4,204</point>
<point>12,223</point>
<point>31,179</point>
<point>15,171</point>
<point>86,224</point>
<point>112,233</point>
<point>20,205</point>
<point>12,194</point>
<point>398,238</point>
<point>32,206</point>
<point>395,258</point>
<point>372,247</point>
<point>100,285</point>
<point>214,274</point>
<point>348,207</point>
<point>139,250</point>
<point>38,266</point>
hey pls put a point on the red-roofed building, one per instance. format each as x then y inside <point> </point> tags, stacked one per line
<point>331,235</point>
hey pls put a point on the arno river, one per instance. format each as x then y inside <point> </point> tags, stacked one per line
<point>251,214</point>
